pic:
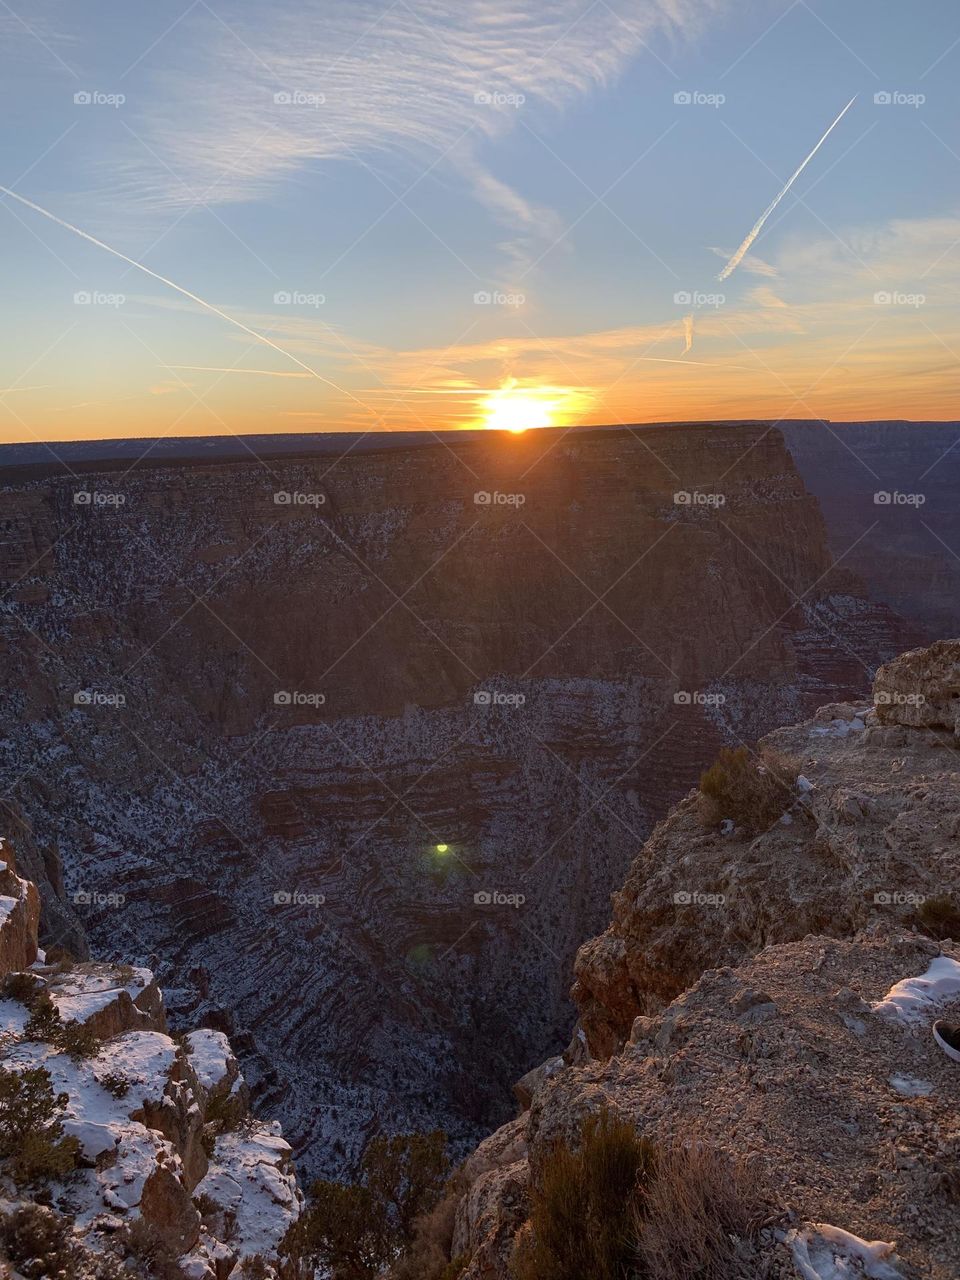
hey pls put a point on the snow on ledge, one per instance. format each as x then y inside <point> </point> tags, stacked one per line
<point>822,1252</point>
<point>913,999</point>
<point>210,1056</point>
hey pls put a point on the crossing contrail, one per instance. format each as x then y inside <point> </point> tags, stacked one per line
<point>172,284</point>
<point>757,227</point>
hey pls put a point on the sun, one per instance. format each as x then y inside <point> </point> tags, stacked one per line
<point>519,409</point>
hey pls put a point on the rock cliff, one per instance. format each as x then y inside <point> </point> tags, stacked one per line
<point>772,996</point>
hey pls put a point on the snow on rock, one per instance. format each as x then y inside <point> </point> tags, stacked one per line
<point>822,1252</point>
<point>211,1057</point>
<point>913,999</point>
<point>251,1176</point>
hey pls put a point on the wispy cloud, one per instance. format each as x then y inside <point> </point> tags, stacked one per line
<point>264,93</point>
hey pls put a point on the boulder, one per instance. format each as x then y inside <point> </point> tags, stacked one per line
<point>921,689</point>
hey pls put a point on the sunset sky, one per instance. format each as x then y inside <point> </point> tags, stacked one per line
<point>448,212</point>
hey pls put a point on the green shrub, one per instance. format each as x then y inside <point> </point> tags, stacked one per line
<point>144,1243</point>
<point>116,1083</point>
<point>752,791</point>
<point>32,1145</point>
<point>41,1245</point>
<point>44,1022</point>
<point>353,1232</point>
<point>584,1205</point>
<point>427,1256</point>
<point>78,1040</point>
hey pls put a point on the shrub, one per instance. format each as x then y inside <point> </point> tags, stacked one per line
<point>701,1212</point>
<point>147,1245</point>
<point>353,1232</point>
<point>753,792</point>
<point>940,917</point>
<point>44,1022</point>
<point>254,1267</point>
<point>78,1040</point>
<point>40,1243</point>
<point>585,1204</point>
<point>31,1130</point>
<point>428,1255</point>
<point>22,987</point>
<point>116,1083</point>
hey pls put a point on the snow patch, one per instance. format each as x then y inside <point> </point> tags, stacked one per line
<point>210,1056</point>
<point>822,1252</point>
<point>910,1086</point>
<point>912,999</point>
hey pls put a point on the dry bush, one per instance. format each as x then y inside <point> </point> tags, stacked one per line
<point>700,1215</point>
<point>428,1256</point>
<point>940,917</point>
<point>752,791</point>
<point>585,1205</point>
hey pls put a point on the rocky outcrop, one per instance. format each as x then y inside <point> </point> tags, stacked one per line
<point>772,996</point>
<point>19,917</point>
<point>164,1131</point>
<point>921,689</point>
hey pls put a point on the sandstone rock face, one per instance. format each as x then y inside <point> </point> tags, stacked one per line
<point>921,689</point>
<point>790,1061</point>
<point>876,836</point>
<point>275,855</point>
<point>19,916</point>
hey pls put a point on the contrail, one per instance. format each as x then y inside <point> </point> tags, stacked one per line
<point>207,368</point>
<point>171,284</point>
<point>758,225</point>
<point>687,333</point>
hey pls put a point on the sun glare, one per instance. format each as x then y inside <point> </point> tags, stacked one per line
<point>517,409</point>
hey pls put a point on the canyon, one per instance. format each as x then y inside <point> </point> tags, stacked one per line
<point>352,749</point>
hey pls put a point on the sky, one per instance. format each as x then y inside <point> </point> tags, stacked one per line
<point>364,215</point>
